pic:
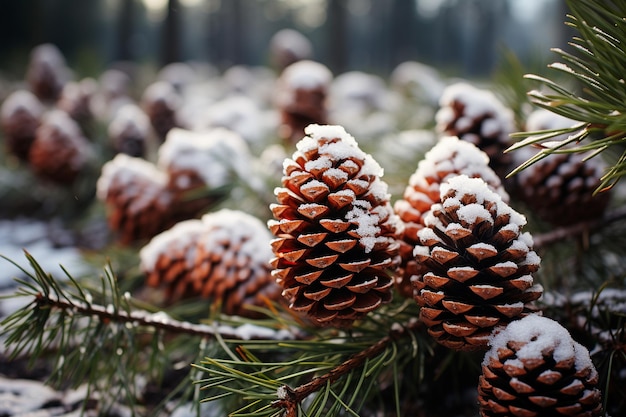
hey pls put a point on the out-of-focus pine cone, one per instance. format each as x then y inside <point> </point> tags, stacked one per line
<point>130,131</point>
<point>136,197</point>
<point>559,188</point>
<point>477,116</point>
<point>76,97</point>
<point>223,257</point>
<point>448,158</point>
<point>335,246</point>
<point>534,369</point>
<point>302,94</point>
<point>201,166</point>
<point>20,117</point>
<point>288,46</point>
<point>161,102</point>
<point>47,72</point>
<point>479,265</point>
<point>60,151</point>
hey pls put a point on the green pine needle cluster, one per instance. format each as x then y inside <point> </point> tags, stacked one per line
<point>597,97</point>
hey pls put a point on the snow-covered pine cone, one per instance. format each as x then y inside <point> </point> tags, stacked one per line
<point>76,97</point>
<point>477,116</point>
<point>335,248</point>
<point>60,151</point>
<point>130,131</point>
<point>560,187</point>
<point>223,257</point>
<point>479,265</point>
<point>448,158</point>
<point>200,167</point>
<point>20,116</point>
<point>302,94</point>
<point>136,197</point>
<point>534,369</point>
<point>47,72</point>
<point>161,102</point>
<point>288,46</point>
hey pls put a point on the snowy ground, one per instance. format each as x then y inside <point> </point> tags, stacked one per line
<point>34,237</point>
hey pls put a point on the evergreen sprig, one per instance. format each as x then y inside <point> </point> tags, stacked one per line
<point>330,373</point>
<point>599,109</point>
<point>96,335</point>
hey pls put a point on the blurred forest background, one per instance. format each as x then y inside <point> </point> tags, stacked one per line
<point>460,37</point>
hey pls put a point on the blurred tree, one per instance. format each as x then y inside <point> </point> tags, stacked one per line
<point>171,51</point>
<point>337,21</point>
<point>125,29</point>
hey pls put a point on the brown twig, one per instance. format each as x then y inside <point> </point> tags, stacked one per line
<point>291,397</point>
<point>562,233</point>
<point>159,320</point>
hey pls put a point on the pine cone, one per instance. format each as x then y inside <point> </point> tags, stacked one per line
<point>130,131</point>
<point>201,166</point>
<point>20,117</point>
<point>76,98</point>
<point>448,158</point>
<point>47,72</point>
<point>479,265</point>
<point>60,151</point>
<point>136,197</point>
<point>477,116</point>
<point>161,102</point>
<point>534,369</point>
<point>223,257</point>
<point>288,46</point>
<point>335,228</point>
<point>303,90</point>
<point>560,187</point>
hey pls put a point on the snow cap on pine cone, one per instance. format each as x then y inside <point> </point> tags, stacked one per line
<point>213,156</point>
<point>20,115</point>
<point>335,229</point>
<point>479,265</point>
<point>477,116</point>
<point>534,368</point>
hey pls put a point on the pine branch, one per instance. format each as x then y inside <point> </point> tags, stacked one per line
<point>106,345</point>
<point>330,371</point>
<point>597,65</point>
<point>290,398</point>
<point>577,229</point>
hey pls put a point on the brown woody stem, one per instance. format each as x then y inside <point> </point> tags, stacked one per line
<point>562,233</point>
<point>157,321</point>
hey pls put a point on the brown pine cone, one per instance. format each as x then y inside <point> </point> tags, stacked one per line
<point>47,72</point>
<point>448,158</point>
<point>136,197</point>
<point>223,257</point>
<point>479,265</point>
<point>477,116</point>
<point>20,116</point>
<point>60,151</point>
<point>201,166</point>
<point>130,131</point>
<point>161,102</point>
<point>335,245</point>
<point>560,188</point>
<point>535,369</point>
<point>76,97</point>
<point>302,94</point>
<point>288,46</point>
